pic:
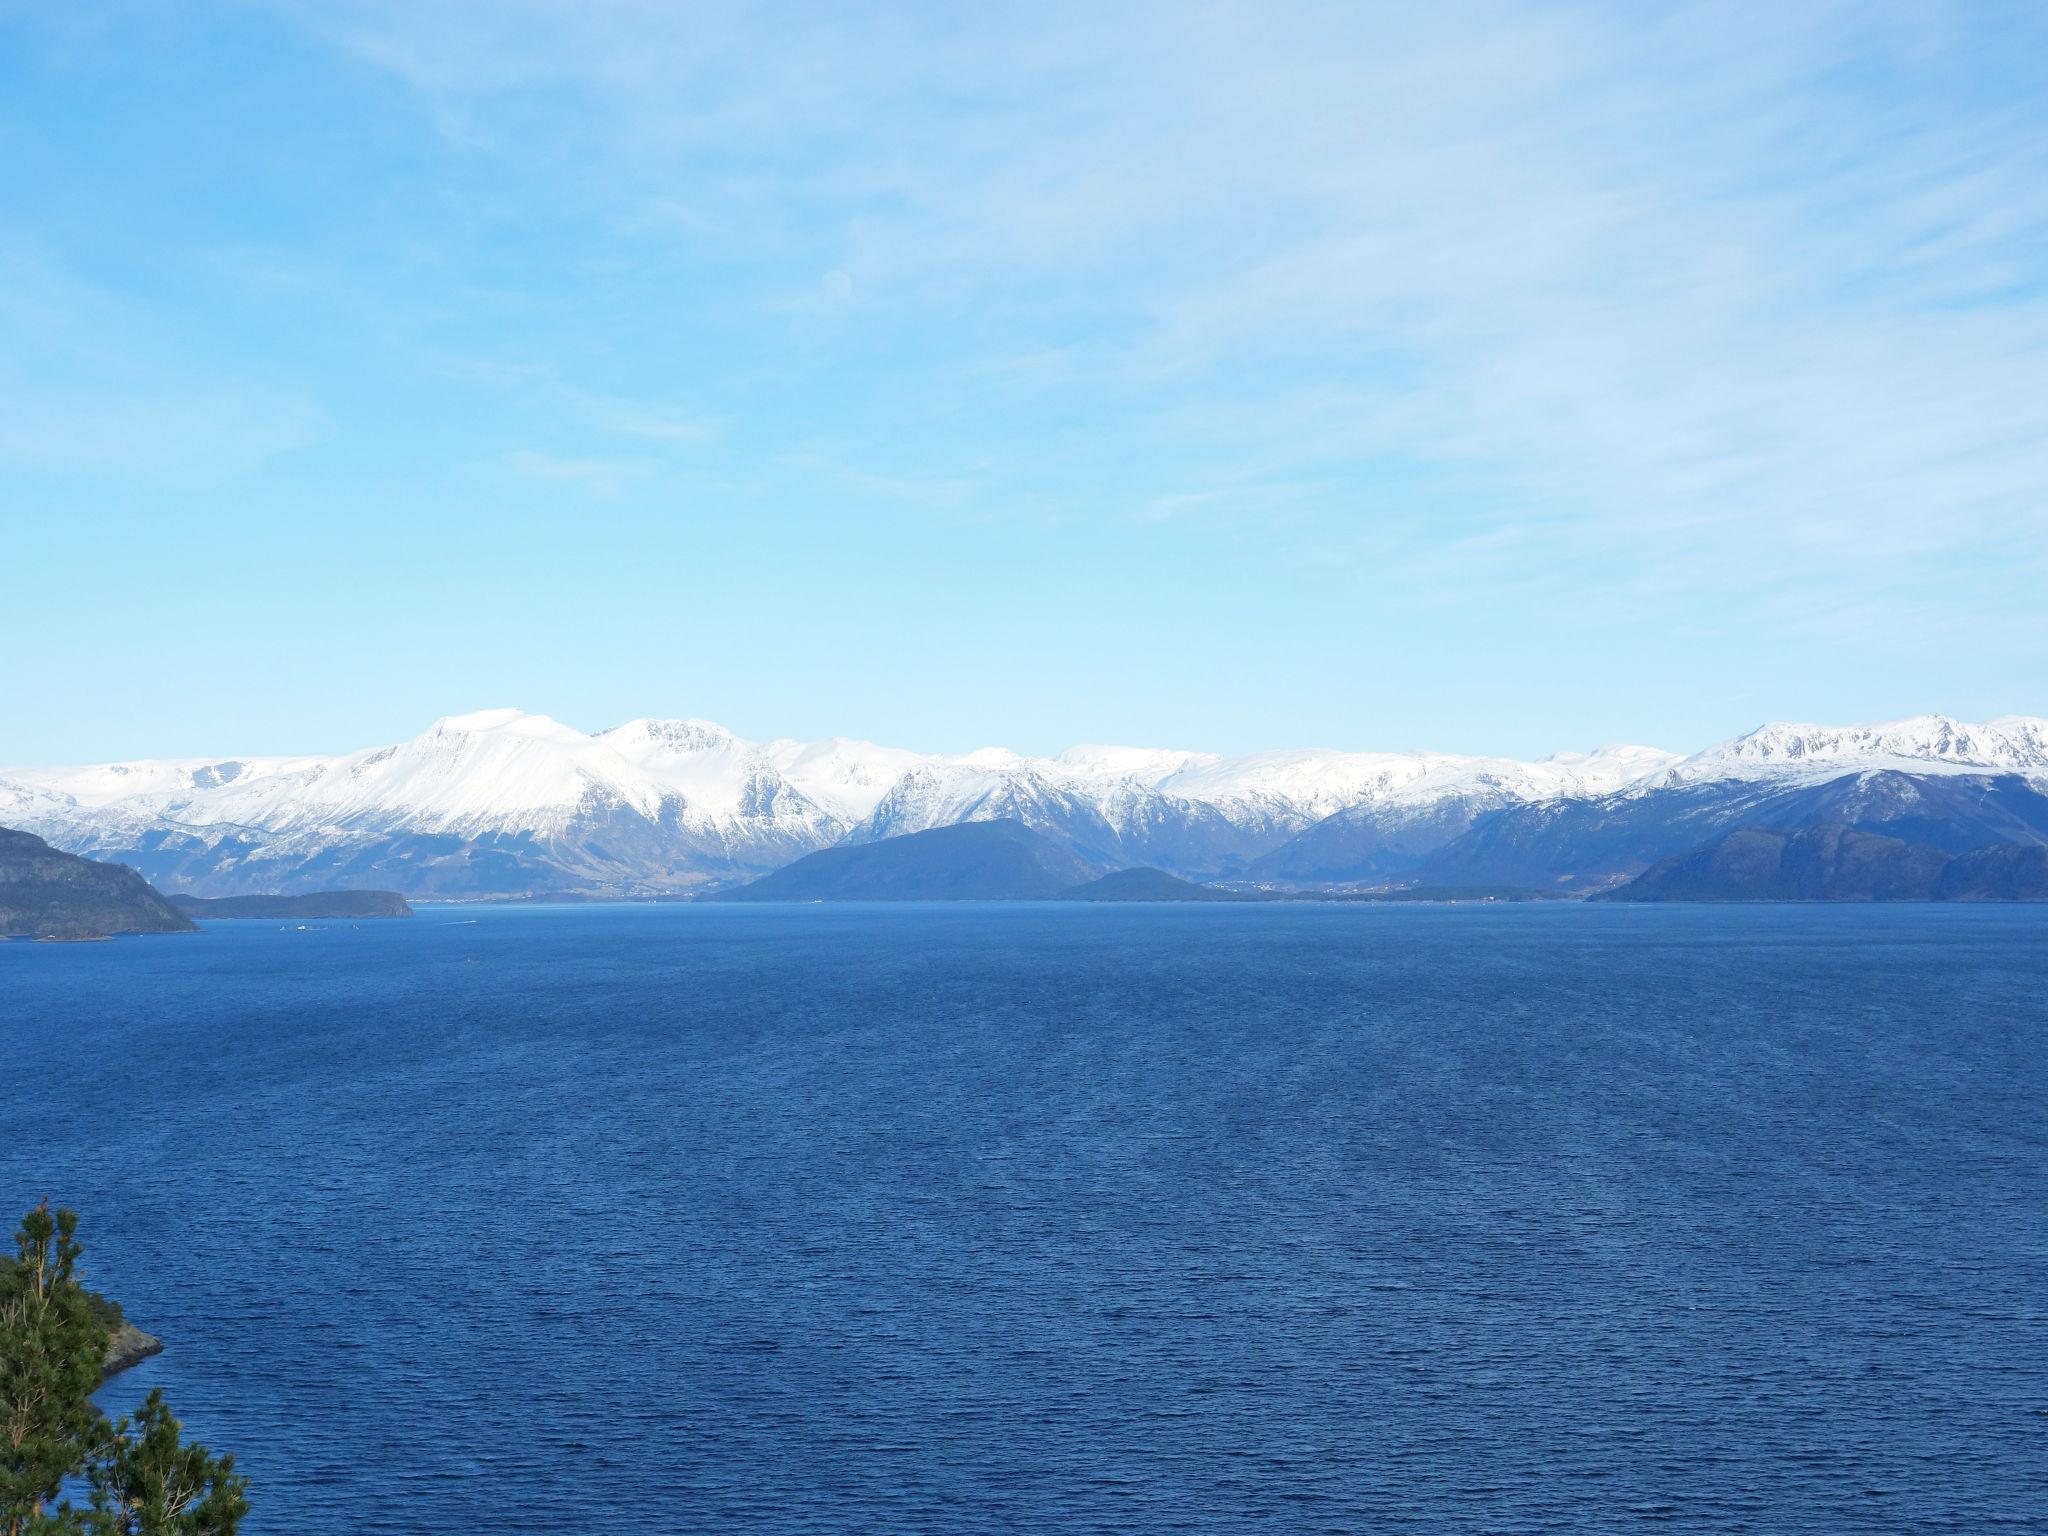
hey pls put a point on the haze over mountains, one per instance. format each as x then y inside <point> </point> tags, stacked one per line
<point>502,803</point>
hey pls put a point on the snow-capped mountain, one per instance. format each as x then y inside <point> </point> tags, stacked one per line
<point>495,802</point>
<point>501,802</point>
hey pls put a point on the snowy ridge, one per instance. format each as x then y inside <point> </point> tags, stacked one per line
<point>467,774</point>
<point>1919,744</point>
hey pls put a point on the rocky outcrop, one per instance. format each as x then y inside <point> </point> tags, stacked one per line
<point>128,1345</point>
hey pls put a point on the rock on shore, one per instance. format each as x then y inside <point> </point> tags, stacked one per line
<point>128,1345</point>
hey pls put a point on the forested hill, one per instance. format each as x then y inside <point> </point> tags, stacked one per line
<point>45,894</point>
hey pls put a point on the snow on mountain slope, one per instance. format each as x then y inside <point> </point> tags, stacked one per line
<point>502,800</point>
<point>104,784</point>
<point>987,786</point>
<point>1321,783</point>
<point>718,777</point>
<point>1308,785</point>
<point>1200,812</point>
<point>493,771</point>
<point>845,776</point>
<point>1928,779</point>
<point>1607,769</point>
<point>494,802</point>
<point>486,771</point>
<point>1149,766</point>
<point>1919,744</point>
<point>22,803</point>
<point>662,804</point>
<point>1416,803</point>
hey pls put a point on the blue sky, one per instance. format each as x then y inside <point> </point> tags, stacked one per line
<point>1489,377</point>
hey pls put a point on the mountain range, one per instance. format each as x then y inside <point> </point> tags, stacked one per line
<point>502,803</point>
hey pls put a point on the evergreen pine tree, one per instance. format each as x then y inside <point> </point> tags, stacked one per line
<point>144,1480</point>
<point>51,1348</point>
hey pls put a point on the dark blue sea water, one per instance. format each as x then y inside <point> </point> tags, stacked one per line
<point>1072,1219</point>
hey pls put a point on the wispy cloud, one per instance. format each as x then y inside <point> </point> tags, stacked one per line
<point>1699,273</point>
<point>1735,297</point>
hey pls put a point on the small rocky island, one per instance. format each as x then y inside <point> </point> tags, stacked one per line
<point>50,895</point>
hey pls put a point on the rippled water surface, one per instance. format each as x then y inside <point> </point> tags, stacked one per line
<point>1057,1219</point>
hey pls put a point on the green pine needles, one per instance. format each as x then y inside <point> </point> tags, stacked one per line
<point>139,1476</point>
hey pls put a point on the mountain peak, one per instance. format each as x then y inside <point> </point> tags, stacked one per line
<point>671,735</point>
<point>510,722</point>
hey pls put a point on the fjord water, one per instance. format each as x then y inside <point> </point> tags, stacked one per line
<point>1071,1219</point>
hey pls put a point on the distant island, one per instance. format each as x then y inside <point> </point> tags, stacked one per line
<point>45,894</point>
<point>318,904</point>
<point>1837,864</point>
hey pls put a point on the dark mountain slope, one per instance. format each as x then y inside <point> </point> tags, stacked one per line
<point>1952,813</point>
<point>1368,842</point>
<point>1585,844</point>
<point>1839,864</point>
<point>50,895</point>
<point>972,861</point>
<point>1816,864</point>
